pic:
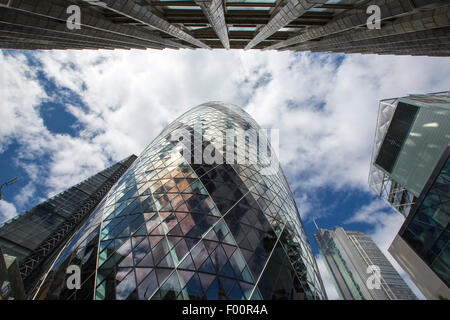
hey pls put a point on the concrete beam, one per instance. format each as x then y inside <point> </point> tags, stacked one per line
<point>90,21</point>
<point>30,36</point>
<point>414,26</point>
<point>436,44</point>
<point>35,44</point>
<point>144,15</point>
<point>435,51</point>
<point>41,27</point>
<point>214,12</point>
<point>356,17</point>
<point>408,38</point>
<point>288,13</point>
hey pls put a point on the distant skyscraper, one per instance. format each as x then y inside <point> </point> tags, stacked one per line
<point>34,237</point>
<point>173,228</point>
<point>352,260</point>
<point>421,246</point>
<point>410,170</point>
<point>413,27</point>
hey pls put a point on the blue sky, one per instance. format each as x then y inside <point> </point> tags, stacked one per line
<point>68,114</point>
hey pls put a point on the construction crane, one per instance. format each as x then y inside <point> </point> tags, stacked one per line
<point>7,183</point>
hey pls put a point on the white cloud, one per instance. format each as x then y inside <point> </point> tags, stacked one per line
<point>304,205</point>
<point>20,96</point>
<point>25,195</point>
<point>7,211</point>
<point>326,112</point>
<point>63,160</point>
<point>331,144</point>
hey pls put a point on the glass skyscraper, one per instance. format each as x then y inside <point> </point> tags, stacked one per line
<point>411,136</point>
<point>409,169</point>
<point>36,236</point>
<point>421,246</point>
<point>353,261</point>
<point>172,228</point>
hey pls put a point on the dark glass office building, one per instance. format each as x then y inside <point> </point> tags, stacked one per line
<point>173,228</point>
<point>422,246</point>
<point>411,136</point>
<point>409,170</point>
<point>36,236</point>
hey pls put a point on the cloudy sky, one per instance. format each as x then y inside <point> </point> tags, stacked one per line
<point>65,115</point>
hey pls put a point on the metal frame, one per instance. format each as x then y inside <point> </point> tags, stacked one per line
<point>413,28</point>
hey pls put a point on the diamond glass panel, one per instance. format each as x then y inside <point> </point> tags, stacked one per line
<point>174,228</point>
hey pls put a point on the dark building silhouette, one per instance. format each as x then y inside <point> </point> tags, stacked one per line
<point>11,284</point>
<point>35,236</point>
<point>408,27</point>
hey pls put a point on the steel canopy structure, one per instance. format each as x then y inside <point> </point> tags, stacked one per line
<point>408,27</point>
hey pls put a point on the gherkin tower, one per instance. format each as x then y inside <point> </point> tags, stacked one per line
<point>176,228</point>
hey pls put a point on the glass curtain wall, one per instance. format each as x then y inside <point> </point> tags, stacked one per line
<point>174,229</point>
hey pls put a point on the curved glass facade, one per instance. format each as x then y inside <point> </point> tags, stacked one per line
<point>173,228</point>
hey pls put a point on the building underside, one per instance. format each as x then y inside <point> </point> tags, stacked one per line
<point>408,27</point>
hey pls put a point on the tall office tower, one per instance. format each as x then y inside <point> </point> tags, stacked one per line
<point>412,133</point>
<point>353,259</point>
<point>176,227</point>
<point>409,169</point>
<point>406,27</point>
<point>421,246</point>
<point>34,237</point>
